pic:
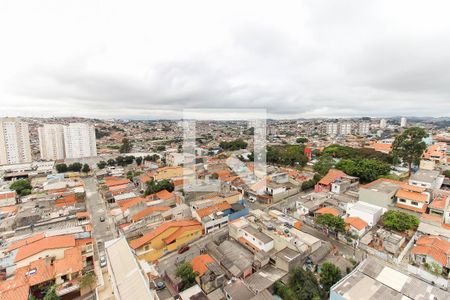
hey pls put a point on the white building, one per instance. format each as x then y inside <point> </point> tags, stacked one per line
<point>403,122</point>
<point>331,129</point>
<point>364,128</point>
<point>383,123</point>
<point>51,141</point>
<point>369,213</point>
<point>345,128</point>
<point>79,140</point>
<point>14,142</point>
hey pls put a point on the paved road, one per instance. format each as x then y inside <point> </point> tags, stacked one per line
<point>96,207</point>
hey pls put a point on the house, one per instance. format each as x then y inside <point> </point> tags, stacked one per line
<point>193,293</point>
<point>148,212</point>
<point>236,260</point>
<point>166,237</point>
<point>412,200</point>
<point>325,183</point>
<point>369,213</point>
<point>428,179</point>
<point>213,217</point>
<point>168,173</point>
<point>436,153</point>
<point>288,259</point>
<point>430,250</point>
<point>328,210</point>
<point>237,290</point>
<point>356,225</point>
<point>7,198</point>
<point>255,240</point>
<point>210,275</point>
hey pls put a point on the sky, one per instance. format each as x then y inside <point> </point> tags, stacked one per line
<point>294,59</point>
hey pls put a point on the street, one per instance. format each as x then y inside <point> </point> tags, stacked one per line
<point>102,231</point>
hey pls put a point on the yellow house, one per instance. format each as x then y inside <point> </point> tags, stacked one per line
<point>167,237</point>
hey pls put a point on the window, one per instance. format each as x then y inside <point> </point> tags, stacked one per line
<point>414,203</point>
<point>402,200</point>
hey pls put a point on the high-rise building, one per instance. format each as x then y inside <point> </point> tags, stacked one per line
<point>383,123</point>
<point>364,128</point>
<point>403,122</point>
<point>345,128</point>
<point>14,142</point>
<point>79,140</point>
<point>51,141</point>
<point>331,129</point>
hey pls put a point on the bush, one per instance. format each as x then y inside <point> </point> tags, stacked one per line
<point>61,168</point>
<point>233,145</point>
<point>22,187</point>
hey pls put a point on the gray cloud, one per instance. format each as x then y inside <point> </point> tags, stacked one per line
<point>340,61</point>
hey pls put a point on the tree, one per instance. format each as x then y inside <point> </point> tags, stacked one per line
<point>22,187</point>
<point>51,293</point>
<point>304,285</point>
<point>126,146</point>
<point>301,140</point>
<point>329,275</point>
<point>186,274</point>
<point>111,162</point>
<point>161,148</point>
<point>447,173</point>
<point>87,280</point>
<point>75,167</point>
<point>61,168</point>
<point>233,145</point>
<point>138,161</point>
<point>154,186</point>
<point>291,155</point>
<point>333,223</point>
<point>399,221</point>
<point>102,164</point>
<point>323,164</point>
<point>86,168</point>
<point>366,169</point>
<point>409,146</point>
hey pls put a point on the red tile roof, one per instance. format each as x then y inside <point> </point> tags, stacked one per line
<point>148,211</point>
<point>356,222</point>
<point>71,263</point>
<point>180,232</point>
<point>139,242</point>
<point>114,181</point>
<point>164,195</point>
<point>332,176</point>
<point>437,248</point>
<point>214,208</point>
<point>25,241</point>
<point>52,242</point>
<point>127,203</point>
<point>200,263</point>
<point>328,210</point>
<point>405,194</point>
<point>7,195</point>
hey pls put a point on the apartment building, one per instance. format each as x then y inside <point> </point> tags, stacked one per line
<point>51,141</point>
<point>364,128</point>
<point>383,123</point>
<point>345,128</point>
<point>79,140</point>
<point>14,142</point>
<point>331,129</point>
<point>403,122</point>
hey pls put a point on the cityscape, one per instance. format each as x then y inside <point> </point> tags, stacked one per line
<point>225,151</point>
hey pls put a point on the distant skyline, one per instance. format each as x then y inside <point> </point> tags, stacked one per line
<point>297,59</point>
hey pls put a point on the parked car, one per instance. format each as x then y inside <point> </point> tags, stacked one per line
<point>102,219</point>
<point>102,261</point>
<point>160,285</point>
<point>183,249</point>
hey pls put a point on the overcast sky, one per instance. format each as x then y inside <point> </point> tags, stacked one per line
<point>151,59</point>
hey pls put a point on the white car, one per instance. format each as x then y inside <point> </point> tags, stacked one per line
<point>102,261</point>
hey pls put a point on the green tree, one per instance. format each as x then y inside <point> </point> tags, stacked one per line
<point>102,164</point>
<point>154,186</point>
<point>51,293</point>
<point>75,167</point>
<point>367,170</point>
<point>111,162</point>
<point>304,285</point>
<point>126,146</point>
<point>86,168</point>
<point>323,164</point>
<point>161,148</point>
<point>233,145</point>
<point>333,223</point>
<point>186,274</point>
<point>22,187</point>
<point>329,275</point>
<point>87,280</point>
<point>138,161</point>
<point>291,155</point>
<point>409,146</point>
<point>399,221</point>
<point>447,173</point>
<point>301,140</point>
<point>61,168</point>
